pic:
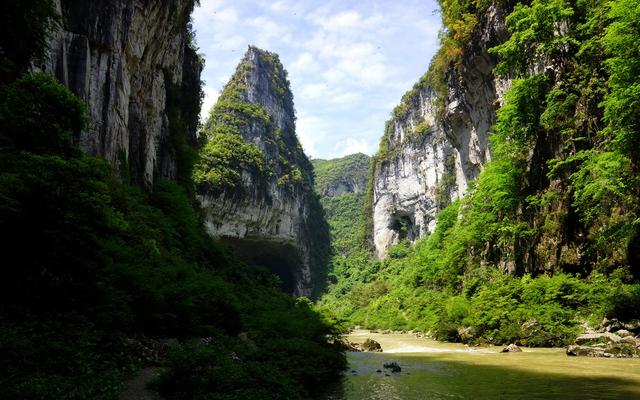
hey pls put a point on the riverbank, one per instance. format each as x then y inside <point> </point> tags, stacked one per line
<point>439,370</point>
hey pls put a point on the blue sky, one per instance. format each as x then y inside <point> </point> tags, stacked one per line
<point>349,62</point>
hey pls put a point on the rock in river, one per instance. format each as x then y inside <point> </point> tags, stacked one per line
<point>512,348</point>
<point>371,345</point>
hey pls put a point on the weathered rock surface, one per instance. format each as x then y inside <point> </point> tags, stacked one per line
<point>123,57</point>
<point>623,333</point>
<point>432,152</point>
<point>605,344</point>
<point>349,346</point>
<point>611,350</point>
<point>612,325</point>
<point>466,333</point>
<point>585,351</point>
<point>512,348</point>
<point>598,337</point>
<point>371,345</point>
<point>268,217</point>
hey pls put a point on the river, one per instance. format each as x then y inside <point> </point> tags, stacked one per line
<point>437,370</point>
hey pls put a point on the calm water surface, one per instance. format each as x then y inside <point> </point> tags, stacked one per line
<point>436,370</point>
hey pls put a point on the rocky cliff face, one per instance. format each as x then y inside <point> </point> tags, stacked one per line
<point>260,198</point>
<point>436,143</point>
<point>130,60</point>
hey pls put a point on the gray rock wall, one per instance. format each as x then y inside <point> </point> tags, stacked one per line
<point>433,152</point>
<point>120,56</point>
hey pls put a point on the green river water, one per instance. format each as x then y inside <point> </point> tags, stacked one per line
<point>436,370</point>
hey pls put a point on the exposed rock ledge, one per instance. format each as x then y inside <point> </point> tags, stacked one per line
<point>605,344</point>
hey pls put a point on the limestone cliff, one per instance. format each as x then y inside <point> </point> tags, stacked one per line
<point>131,61</point>
<point>435,142</point>
<point>256,183</point>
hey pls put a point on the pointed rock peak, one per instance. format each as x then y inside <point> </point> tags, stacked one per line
<point>257,183</point>
<point>258,56</point>
<point>260,78</point>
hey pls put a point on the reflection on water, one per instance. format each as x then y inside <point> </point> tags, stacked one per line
<point>452,371</point>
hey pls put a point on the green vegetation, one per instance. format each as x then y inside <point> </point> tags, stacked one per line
<point>329,173</point>
<point>547,237</point>
<point>228,134</point>
<point>225,152</point>
<point>98,274</point>
<point>92,262</point>
<point>447,182</point>
<point>344,216</point>
<point>416,288</point>
<point>343,210</point>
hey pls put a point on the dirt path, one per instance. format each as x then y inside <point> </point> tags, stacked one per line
<point>137,387</point>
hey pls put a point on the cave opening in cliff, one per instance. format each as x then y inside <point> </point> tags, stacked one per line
<point>281,259</point>
<point>280,267</point>
<point>405,227</point>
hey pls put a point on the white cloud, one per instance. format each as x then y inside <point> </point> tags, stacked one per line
<point>345,98</point>
<point>278,6</point>
<point>210,98</point>
<point>305,63</point>
<point>313,90</point>
<point>352,145</point>
<point>284,7</point>
<point>307,128</point>
<point>268,29</point>
<point>214,15</point>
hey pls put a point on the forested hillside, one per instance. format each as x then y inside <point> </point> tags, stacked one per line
<point>341,184</point>
<point>546,238</point>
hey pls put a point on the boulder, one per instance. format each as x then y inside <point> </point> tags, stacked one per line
<point>346,345</point>
<point>631,340</point>
<point>512,348</point>
<point>622,350</point>
<point>623,333</point>
<point>585,351</point>
<point>371,345</point>
<point>393,367</point>
<point>613,325</point>
<point>466,333</point>
<point>593,338</point>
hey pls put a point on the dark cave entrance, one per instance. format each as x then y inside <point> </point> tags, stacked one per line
<point>405,227</point>
<point>282,260</point>
<point>280,267</point>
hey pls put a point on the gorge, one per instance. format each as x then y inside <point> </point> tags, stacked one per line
<point>501,208</point>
